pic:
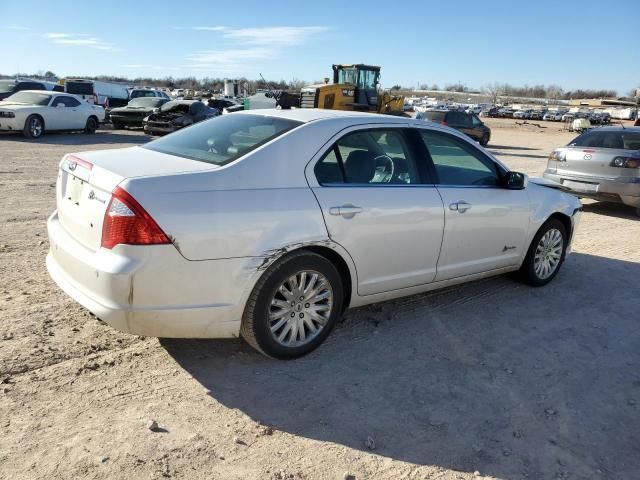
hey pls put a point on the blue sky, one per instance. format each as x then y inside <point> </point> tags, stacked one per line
<point>575,44</point>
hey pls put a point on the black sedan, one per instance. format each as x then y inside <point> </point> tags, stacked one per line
<point>136,111</point>
<point>177,114</point>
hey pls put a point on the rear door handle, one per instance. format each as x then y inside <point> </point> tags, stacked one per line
<point>347,211</point>
<point>460,206</point>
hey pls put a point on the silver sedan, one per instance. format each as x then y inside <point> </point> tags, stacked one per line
<point>269,224</point>
<point>603,164</point>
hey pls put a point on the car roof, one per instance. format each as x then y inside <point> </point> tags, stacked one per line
<point>615,128</point>
<point>310,114</point>
<point>45,92</point>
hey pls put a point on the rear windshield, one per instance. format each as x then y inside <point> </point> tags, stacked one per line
<point>147,102</point>
<point>7,86</point>
<point>29,98</point>
<point>143,93</point>
<point>79,88</point>
<point>435,116</point>
<point>621,139</point>
<point>223,139</point>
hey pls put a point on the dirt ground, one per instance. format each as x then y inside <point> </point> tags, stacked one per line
<point>488,380</point>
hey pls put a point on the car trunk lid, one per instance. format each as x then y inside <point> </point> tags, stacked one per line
<point>594,162</point>
<point>86,181</point>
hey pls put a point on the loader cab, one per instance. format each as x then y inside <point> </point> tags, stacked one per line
<point>364,78</point>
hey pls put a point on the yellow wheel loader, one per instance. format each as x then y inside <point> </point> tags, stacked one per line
<point>355,87</point>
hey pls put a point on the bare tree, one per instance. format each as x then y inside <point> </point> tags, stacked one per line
<point>494,91</point>
<point>296,84</point>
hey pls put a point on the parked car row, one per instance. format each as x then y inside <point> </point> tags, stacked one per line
<point>595,118</point>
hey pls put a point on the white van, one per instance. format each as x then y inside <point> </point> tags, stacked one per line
<point>109,95</point>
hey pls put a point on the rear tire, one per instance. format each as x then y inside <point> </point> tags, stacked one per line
<point>33,127</point>
<point>485,140</point>
<point>287,318</point>
<point>545,255</point>
<point>91,125</point>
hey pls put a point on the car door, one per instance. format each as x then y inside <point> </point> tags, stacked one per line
<point>65,114</point>
<point>485,223</point>
<point>381,207</point>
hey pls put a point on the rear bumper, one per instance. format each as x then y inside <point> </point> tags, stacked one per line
<point>152,290</point>
<point>598,188</point>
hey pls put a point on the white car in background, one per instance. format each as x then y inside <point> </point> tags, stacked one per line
<point>33,112</point>
<point>270,223</point>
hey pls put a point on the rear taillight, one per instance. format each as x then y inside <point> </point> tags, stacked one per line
<point>557,156</point>
<point>625,162</point>
<point>126,222</point>
<point>444,123</point>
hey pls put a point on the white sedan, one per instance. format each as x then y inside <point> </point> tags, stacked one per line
<point>33,112</point>
<point>270,223</point>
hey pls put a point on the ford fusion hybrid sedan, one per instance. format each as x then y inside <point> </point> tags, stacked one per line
<point>269,224</point>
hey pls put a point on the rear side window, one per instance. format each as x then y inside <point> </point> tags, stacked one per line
<point>223,139</point>
<point>66,101</point>
<point>143,93</point>
<point>375,157</point>
<point>622,140</point>
<point>79,88</point>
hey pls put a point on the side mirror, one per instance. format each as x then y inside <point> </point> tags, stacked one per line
<point>515,181</point>
<point>60,105</point>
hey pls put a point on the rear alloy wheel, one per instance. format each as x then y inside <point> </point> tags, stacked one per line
<point>33,127</point>
<point>294,306</point>
<point>546,254</point>
<point>91,126</point>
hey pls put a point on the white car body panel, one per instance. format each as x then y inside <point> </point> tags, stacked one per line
<point>228,224</point>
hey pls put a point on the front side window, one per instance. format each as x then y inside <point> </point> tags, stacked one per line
<point>368,79</point>
<point>458,163</point>
<point>374,157</point>
<point>223,139</point>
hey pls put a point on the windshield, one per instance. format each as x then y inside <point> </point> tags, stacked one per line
<point>146,102</point>
<point>368,79</point>
<point>79,88</point>
<point>29,98</point>
<point>7,86</point>
<point>622,140</point>
<point>223,139</point>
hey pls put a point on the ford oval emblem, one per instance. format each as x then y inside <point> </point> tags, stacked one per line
<point>72,165</point>
<point>587,156</point>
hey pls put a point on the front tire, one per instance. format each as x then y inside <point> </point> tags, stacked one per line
<point>91,125</point>
<point>485,140</point>
<point>294,306</point>
<point>33,127</point>
<point>546,254</point>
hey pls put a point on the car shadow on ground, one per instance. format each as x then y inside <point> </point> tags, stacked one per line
<point>616,210</point>
<point>511,147</point>
<point>495,376</point>
<point>509,154</point>
<point>79,138</point>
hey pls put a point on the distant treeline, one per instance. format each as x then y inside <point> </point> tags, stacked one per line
<point>554,92</point>
<point>206,83</point>
<point>495,90</point>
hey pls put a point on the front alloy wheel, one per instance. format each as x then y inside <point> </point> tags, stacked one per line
<point>546,254</point>
<point>34,127</point>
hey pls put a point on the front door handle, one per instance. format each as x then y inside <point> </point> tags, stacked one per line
<point>347,211</point>
<point>460,206</point>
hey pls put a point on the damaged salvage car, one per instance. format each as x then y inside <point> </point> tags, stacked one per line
<point>134,113</point>
<point>269,224</point>
<point>177,114</point>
